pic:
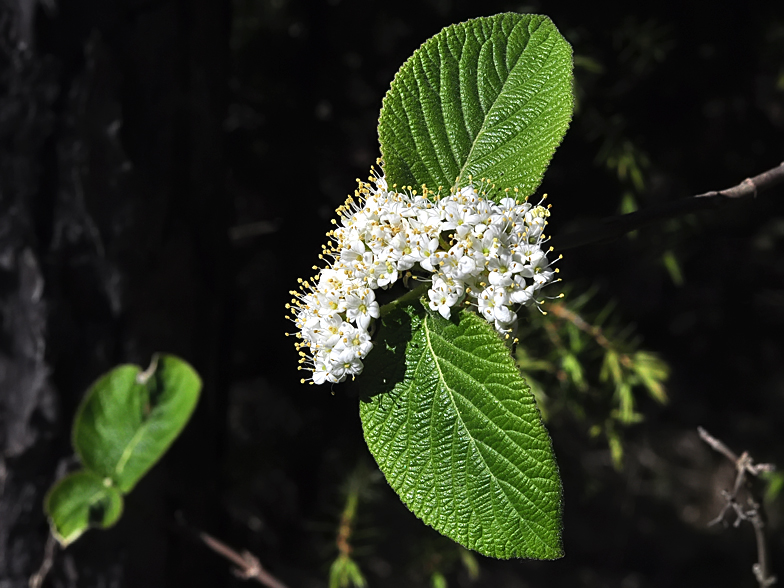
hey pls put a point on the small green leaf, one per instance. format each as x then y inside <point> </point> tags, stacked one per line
<point>673,267</point>
<point>652,371</point>
<point>611,368</point>
<point>437,580</point>
<point>490,97</point>
<point>129,418</point>
<point>574,369</point>
<point>625,412</point>
<point>775,482</point>
<point>470,563</point>
<point>345,573</point>
<point>456,431</point>
<point>80,501</point>
<point>616,447</point>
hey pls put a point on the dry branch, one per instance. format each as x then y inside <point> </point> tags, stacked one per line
<point>616,226</point>
<point>744,465</point>
<point>248,566</point>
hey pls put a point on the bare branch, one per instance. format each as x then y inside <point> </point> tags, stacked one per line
<point>560,310</point>
<point>717,445</point>
<point>616,226</point>
<point>248,566</point>
<point>744,465</point>
<point>37,579</point>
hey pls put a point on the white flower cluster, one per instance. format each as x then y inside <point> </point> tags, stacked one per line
<point>469,248</point>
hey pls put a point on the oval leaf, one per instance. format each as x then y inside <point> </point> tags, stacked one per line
<point>488,98</point>
<point>80,501</point>
<point>457,433</point>
<point>129,418</point>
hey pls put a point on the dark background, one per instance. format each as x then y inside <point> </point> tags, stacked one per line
<point>168,169</point>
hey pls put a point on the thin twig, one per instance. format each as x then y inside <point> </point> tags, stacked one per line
<point>256,229</point>
<point>410,296</point>
<point>248,566</point>
<point>616,226</point>
<point>346,527</point>
<point>744,465</point>
<point>560,310</point>
<point>717,445</point>
<point>37,579</point>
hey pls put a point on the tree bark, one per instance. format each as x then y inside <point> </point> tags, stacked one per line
<point>113,245</point>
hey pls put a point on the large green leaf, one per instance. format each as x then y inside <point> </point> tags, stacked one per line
<point>80,501</point>
<point>129,418</point>
<point>490,97</point>
<point>455,430</point>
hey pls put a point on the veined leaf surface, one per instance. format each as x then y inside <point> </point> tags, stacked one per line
<point>129,418</point>
<point>80,501</point>
<point>456,431</point>
<point>488,98</point>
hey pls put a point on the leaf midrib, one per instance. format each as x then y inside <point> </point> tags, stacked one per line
<point>457,411</point>
<point>501,483</point>
<point>130,447</point>
<point>483,128</point>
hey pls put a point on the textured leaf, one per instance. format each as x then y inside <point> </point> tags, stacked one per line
<point>129,418</point>
<point>80,501</point>
<point>490,97</point>
<point>456,431</point>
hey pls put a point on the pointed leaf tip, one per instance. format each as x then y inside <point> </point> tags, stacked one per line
<point>490,97</point>
<point>459,436</point>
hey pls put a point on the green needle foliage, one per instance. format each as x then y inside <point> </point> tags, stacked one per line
<point>345,573</point>
<point>582,364</point>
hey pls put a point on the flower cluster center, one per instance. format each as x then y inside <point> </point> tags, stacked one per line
<point>471,249</point>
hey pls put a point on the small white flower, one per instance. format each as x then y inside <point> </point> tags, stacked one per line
<point>355,339</point>
<point>320,372</point>
<point>493,304</point>
<point>330,303</point>
<point>347,363</point>
<point>328,331</point>
<point>361,306</point>
<point>388,275</point>
<point>353,253</point>
<point>426,251</point>
<point>466,268</point>
<point>442,298</point>
<point>487,252</point>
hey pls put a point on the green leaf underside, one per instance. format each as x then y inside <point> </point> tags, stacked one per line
<point>488,98</point>
<point>456,431</point>
<point>128,419</point>
<point>81,501</point>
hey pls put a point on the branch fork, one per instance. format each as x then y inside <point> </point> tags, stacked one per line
<point>744,466</point>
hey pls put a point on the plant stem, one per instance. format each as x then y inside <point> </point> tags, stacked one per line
<point>409,296</point>
<point>616,226</point>
<point>745,465</point>
<point>349,513</point>
<point>248,566</point>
